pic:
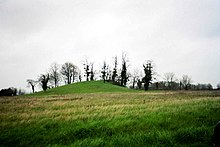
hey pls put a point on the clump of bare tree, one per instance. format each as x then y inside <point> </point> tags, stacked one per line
<point>32,83</point>
<point>54,72</point>
<point>170,80</point>
<point>69,71</point>
<point>185,82</point>
<point>43,79</point>
<point>87,69</point>
<point>104,71</point>
<point>135,79</point>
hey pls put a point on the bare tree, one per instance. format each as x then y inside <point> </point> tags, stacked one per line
<point>68,70</point>
<point>170,79</point>
<point>92,74</point>
<point>21,92</point>
<point>139,83</point>
<point>44,78</point>
<point>114,73</point>
<point>75,73</point>
<point>104,71</point>
<point>108,74</point>
<point>87,69</point>
<point>186,82</point>
<point>135,76</point>
<point>54,74</point>
<point>124,75</point>
<point>32,84</point>
<point>209,86</point>
<point>80,76</point>
<point>218,86</point>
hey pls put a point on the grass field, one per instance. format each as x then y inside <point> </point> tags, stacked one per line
<point>118,117</point>
<point>85,87</point>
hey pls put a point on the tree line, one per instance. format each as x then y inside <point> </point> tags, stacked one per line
<point>115,73</point>
<point>11,92</point>
<point>68,73</point>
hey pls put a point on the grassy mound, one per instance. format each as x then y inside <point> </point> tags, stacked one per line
<point>85,87</point>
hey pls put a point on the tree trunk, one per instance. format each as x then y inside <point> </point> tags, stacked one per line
<point>32,86</point>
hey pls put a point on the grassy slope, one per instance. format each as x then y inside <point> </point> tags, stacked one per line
<point>85,87</point>
<point>109,119</point>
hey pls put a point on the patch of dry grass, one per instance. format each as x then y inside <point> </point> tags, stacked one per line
<point>120,115</point>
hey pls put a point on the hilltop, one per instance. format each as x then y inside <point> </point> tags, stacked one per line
<point>85,87</point>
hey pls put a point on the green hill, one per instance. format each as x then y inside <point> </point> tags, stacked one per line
<point>85,87</point>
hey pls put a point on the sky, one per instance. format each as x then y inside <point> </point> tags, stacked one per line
<point>180,36</point>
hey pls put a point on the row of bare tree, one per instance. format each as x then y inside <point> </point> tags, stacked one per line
<point>68,73</point>
<point>56,73</point>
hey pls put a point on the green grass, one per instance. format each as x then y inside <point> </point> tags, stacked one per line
<point>110,118</point>
<point>85,87</point>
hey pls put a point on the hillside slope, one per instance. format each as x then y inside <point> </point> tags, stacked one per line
<point>85,87</point>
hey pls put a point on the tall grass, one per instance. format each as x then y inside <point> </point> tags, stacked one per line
<point>110,119</point>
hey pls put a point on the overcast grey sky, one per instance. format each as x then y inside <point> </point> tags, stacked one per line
<point>180,36</point>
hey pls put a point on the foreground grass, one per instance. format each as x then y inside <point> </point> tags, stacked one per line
<point>110,119</point>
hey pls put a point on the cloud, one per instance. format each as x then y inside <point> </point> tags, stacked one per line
<point>20,18</point>
<point>180,36</point>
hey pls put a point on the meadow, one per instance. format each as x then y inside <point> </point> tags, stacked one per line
<point>113,117</point>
